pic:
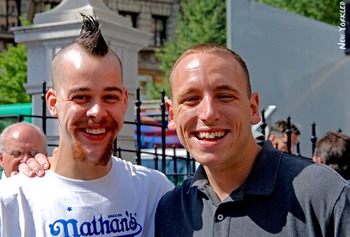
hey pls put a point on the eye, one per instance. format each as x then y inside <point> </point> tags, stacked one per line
<point>16,153</point>
<point>226,97</point>
<point>191,100</point>
<point>80,98</point>
<point>112,98</point>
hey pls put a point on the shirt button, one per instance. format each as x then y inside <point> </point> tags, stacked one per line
<point>220,217</point>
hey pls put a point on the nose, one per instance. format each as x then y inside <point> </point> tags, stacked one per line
<point>208,110</point>
<point>96,110</point>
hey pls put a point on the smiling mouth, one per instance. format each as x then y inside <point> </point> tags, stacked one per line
<point>210,135</point>
<point>95,131</point>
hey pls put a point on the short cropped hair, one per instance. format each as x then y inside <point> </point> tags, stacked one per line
<point>213,48</point>
<point>279,128</point>
<point>334,150</point>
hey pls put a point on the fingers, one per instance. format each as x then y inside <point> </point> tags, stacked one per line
<point>35,166</point>
<point>25,169</point>
<point>42,160</point>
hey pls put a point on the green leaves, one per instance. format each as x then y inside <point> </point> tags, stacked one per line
<point>13,74</point>
<point>199,21</point>
<point>322,10</point>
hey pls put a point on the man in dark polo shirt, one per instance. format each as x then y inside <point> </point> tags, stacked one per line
<point>240,188</point>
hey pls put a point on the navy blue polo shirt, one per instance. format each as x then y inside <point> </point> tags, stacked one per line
<point>284,195</point>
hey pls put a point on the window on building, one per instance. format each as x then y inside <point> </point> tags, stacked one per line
<point>9,12</point>
<point>131,16</point>
<point>159,29</point>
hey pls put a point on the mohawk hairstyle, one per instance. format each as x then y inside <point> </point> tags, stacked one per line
<point>91,38</point>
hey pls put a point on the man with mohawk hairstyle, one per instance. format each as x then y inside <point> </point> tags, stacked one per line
<point>86,191</point>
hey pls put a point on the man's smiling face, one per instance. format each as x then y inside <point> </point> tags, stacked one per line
<point>90,102</point>
<point>210,108</point>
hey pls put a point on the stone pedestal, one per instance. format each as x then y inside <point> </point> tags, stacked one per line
<point>54,29</point>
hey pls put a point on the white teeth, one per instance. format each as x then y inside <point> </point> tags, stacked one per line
<point>95,130</point>
<point>211,135</point>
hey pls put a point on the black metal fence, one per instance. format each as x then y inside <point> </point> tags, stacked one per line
<point>170,159</point>
<point>175,162</point>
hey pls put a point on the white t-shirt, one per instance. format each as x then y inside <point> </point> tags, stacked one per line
<point>123,203</point>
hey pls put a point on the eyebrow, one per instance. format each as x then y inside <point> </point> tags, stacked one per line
<point>81,89</point>
<point>226,87</point>
<point>114,88</point>
<point>220,87</point>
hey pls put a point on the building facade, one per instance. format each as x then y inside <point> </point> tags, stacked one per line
<point>157,17</point>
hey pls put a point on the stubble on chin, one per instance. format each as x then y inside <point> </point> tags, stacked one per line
<point>80,154</point>
<point>107,154</point>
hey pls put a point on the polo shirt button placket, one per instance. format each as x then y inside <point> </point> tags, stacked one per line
<point>220,217</point>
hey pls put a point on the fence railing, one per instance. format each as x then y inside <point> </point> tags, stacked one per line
<point>171,159</point>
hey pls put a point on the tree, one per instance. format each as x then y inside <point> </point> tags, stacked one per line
<point>322,10</point>
<point>13,74</point>
<point>199,21</point>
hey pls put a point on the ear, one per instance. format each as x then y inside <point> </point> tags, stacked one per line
<point>51,102</point>
<point>272,138</point>
<point>1,160</point>
<point>126,99</point>
<point>171,118</point>
<point>317,160</point>
<point>254,108</point>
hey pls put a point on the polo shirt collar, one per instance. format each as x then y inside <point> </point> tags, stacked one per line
<point>261,180</point>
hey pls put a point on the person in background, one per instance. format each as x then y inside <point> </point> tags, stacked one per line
<point>18,143</point>
<point>279,138</point>
<point>333,149</point>
<point>240,187</point>
<point>86,191</point>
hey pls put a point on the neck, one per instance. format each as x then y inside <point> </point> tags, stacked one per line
<point>62,163</point>
<point>224,180</point>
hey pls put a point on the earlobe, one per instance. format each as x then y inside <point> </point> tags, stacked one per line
<point>1,160</point>
<point>171,119</point>
<point>254,107</point>
<point>51,101</point>
<point>317,160</point>
<point>126,99</point>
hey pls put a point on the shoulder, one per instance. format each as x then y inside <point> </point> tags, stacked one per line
<point>305,167</point>
<point>177,195</point>
<point>12,186</point>
<point>141,173</point>
<point>178,202</point>
<point>309,178</point>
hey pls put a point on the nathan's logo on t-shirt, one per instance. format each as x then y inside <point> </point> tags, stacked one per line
<point>117,224</point>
